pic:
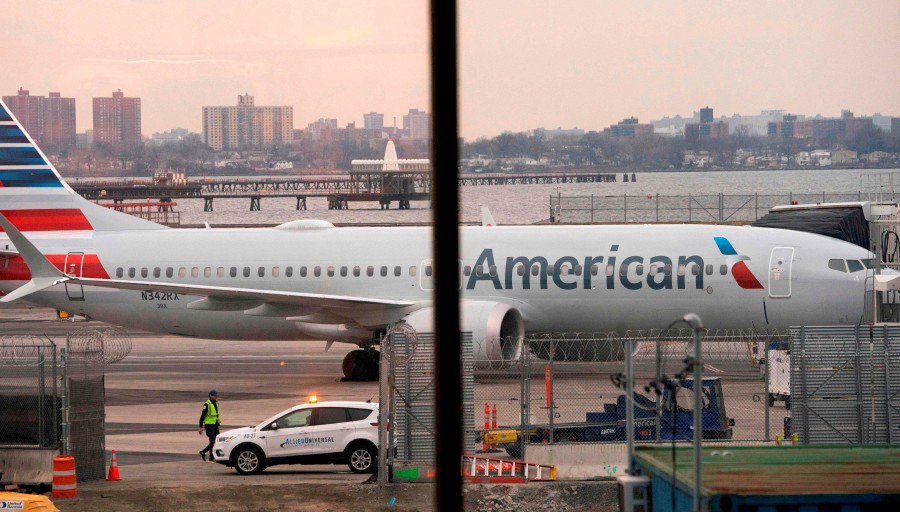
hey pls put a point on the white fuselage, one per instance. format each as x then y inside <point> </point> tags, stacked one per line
<point>601,277</point>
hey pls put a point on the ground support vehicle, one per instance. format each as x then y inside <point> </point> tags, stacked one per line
<point>311,433</point>
<point>674,421</point>
<point>779,368</point>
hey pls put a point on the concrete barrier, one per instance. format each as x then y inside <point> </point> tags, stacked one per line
<point>26,466</point>
<point>580,461</point>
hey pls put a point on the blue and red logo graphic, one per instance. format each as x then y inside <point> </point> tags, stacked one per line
<point>741,272</point>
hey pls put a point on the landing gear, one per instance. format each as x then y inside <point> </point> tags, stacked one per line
<point>361,365</point>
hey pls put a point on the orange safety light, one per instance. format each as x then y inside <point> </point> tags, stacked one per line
<point>313,399</point>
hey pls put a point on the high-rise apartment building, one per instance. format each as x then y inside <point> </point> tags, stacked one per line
<point>628,128</point>
<point>49,120</point>
<point>706,115</point>
<point>417,124</point>
<point>246,126</point>
<point>59,121</point>
<point>117,120</point>
<point>373,121</point>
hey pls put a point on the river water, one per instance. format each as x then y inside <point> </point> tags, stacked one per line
<point>526,204</point>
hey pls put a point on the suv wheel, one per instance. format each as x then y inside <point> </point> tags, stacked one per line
<point>361,458</point>
<point>248,460</point>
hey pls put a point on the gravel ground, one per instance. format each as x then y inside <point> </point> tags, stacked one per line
<point>531,497</point>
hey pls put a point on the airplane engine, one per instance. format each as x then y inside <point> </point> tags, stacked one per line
<point>497,331</point>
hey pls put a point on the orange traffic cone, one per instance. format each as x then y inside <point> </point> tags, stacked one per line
<point>113,468</point>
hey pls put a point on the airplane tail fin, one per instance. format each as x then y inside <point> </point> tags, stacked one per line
<point>34,197</point>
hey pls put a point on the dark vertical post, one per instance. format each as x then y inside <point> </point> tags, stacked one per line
<point>446,255</point>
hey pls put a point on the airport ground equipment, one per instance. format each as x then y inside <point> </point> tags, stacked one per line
<point>778,364</point>
<point>775,477</point>
<point>675,421</point>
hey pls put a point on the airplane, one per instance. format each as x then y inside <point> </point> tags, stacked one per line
<point>308,280</point>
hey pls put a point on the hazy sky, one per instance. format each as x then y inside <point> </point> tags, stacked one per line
<point>523,64</point>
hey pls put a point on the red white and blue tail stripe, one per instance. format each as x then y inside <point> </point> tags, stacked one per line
<point>34,197</point>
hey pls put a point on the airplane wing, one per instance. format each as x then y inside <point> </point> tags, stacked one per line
<point>217,298</point>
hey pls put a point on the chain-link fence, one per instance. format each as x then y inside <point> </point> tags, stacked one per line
<point>29,399</point>
<point>411,388</point>
<point>561,390</point>
<point>844,384</point>
<point>718,208</point>
<point>54,398</point>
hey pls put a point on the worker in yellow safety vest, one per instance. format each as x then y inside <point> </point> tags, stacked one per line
<point>209,421</point>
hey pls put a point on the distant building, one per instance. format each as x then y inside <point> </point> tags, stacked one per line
<point>173,135</point>
<point>706,129</point>
<point>117,120</point>
<point>246,126</point>
<point>895,126</point>
<point>417,125</point>
<point>373,121</point>
<point>629,128</point>
<point>843,157</point>
<point>322,129</point>
<point>548,135</point>
<point>854,124</point>
<point>49,120</point>
<point>84,140</point>
<point>818,128</point>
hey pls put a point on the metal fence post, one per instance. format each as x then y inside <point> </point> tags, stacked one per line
<point>756,206</point>
<point>657,207</point>
<point>721,207</point>
<point>860,423</point>
<point>625,203</point>
<point>690,200</point>
<point>804,397</point>
<point>592,208</point>
<point>524,399</point>
<point>42,420</point>
<point>551,406</point>
<point>768,391</point>
<point>887,386</point>
<point>629,404</point>
<point>64,444</point>
<point>384,372</point>
<point>698,415</point>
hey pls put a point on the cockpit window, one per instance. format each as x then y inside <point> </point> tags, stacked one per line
<point>868,263</point>
<point>839,265</point>
<point>854,265</point>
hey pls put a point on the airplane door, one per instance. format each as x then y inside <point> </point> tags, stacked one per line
<point>780,272</point>
<point>426,275</point>
<point>73,266</point>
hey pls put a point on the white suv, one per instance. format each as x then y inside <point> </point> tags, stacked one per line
<point>312,433</point>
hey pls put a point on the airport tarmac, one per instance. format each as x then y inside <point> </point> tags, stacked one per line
<point>154,397</point>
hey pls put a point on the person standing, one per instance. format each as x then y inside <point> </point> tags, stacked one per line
<point>209,421</point>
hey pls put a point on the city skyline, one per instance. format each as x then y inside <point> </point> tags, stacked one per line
<point>523,65</point>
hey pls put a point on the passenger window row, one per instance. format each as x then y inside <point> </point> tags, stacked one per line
<point>577,270</point>
<point>233,272</point>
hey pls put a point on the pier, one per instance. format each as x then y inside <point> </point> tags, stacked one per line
<point>340,190</point>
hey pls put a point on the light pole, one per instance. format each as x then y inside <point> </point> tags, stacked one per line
<point>697,326</point>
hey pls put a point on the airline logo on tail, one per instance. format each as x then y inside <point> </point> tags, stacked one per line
<point>25,172</point>
<point>21,164</point>
<point>741,272</point>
